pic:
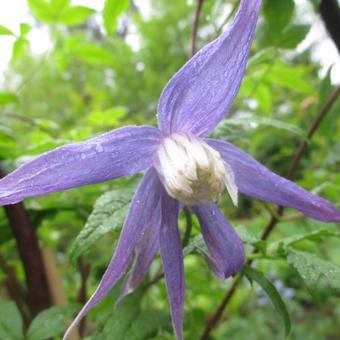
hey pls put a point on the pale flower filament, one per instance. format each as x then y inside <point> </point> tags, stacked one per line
<point>192,171</point>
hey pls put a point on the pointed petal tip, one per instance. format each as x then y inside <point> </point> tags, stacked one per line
<point>226,255</point>
<point>200,94</point>
<point>254,179</point>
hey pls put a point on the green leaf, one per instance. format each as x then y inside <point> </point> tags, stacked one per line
<point>147,324</point>
<point>112,10</point>
<point>19,48</point>
<point>196,243</point>
<point>122,317</point>
<point>24,29</point>
<point>57,6</point>
<point>5,31</point>
<point>95,55</point>
<point>8,98</point>
<point>51,322</point>
<point>278,13</point>
<point>250,238</point>
<point>42,10</point>
<point>129,321</point>
<point>293,36</point>
<point>254,121</point>
<point>108,215</point>
<point>10,321</point>
<point>313,270</point>
<point>291,77</point>
<point>272,293</point>
<point>281,245</point>
<point>75,15</point>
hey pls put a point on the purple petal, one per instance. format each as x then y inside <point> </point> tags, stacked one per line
<point>172,257</point>
<point>143,205</point>
<point>254,179</point>
<point>201,93</point>
<point>146,249</point>
<point>225,246</point>
<point>118,153</point>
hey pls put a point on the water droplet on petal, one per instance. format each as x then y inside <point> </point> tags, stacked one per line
<point>99,148</point>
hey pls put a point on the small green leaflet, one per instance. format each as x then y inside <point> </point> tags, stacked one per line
<point>196,243</point>
<point>11,326</point>
<point>293,35</point>
<point>278,13</point>
<point>250,238</point>
<point>5,31</point>
<point>112,10</point>
<point>281,245</point>
<point>108,215</point>
<point>255,121</point>
<point>94,55</point>
<point>50,322</point>
<point>75,15</point>
<point>313,270</point>
<point>273,294</point>
<point>8,98</point>
<point>129,321</point>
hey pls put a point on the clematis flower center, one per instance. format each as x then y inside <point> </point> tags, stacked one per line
<point>192,171</point>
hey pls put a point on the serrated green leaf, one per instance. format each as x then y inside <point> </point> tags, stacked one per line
<point>8,98</point>
<point>107,216</point>
<point>313,270</point>
<point>50,322</point>
<point>253,121</point>
<point>5,31</point>
<point>293,36</point>
<point>75,15</point>
<point>10,321</point>
<point>112,10</point>
<point>281,245</point>
<point>272,293</point>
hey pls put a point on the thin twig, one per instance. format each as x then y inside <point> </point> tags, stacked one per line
<point>188,227</point>
<point>84,271</point>
<point>195,23</point>
<point>213,321</point>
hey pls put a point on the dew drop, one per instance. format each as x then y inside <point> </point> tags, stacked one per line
<point>99,148</point>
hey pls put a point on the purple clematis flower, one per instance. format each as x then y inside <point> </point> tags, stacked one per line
<point>183,167</point>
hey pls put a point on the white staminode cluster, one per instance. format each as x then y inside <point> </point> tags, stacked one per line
<point>192,171</point>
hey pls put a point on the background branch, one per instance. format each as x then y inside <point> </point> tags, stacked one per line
<point>38,297</point>
<point>195,28</point>
<point>330,13</point>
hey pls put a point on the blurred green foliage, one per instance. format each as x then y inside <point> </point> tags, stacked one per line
<point>93,79</point>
